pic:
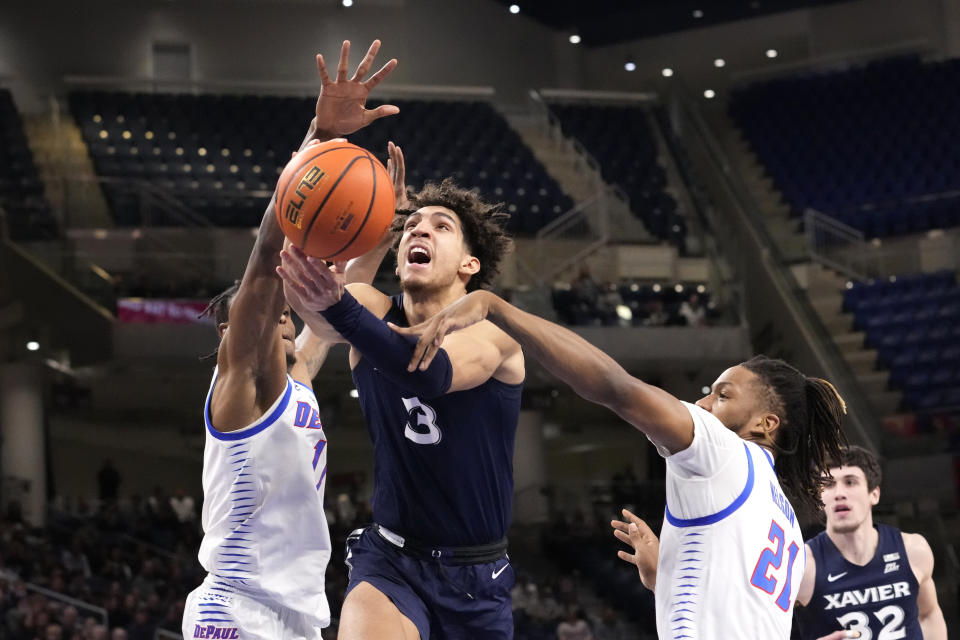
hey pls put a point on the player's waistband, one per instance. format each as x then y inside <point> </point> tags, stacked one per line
<point>478,554</point>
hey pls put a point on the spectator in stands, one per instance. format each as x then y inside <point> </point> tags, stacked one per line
<point>74,560</point>
<point>573,626</point>
<point>108,479</point>
<point>610,627</point>
<point>183,506</point>
<point>70,620</point>
<point>118,634</point>
<point>693,312</point>
<point>657,315</point>
<point>53,631</point>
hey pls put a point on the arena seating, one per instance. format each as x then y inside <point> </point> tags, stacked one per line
<point>914,323</point>
<point>619,138</point>
<point>21,192</point>
<point>213,151</point>
<point>874,146</point>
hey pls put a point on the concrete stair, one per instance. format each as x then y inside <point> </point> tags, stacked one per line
<point>66,169</point>
<point>825,291</point>
<point>784,228</point>
<point>575,176</point>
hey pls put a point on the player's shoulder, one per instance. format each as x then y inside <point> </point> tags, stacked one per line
<point>917,547</point>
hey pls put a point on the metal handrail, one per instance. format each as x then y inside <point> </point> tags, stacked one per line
<point>56,595</point>
<point>851,250</point>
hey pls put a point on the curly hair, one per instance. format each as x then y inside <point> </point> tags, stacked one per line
<point>811,434</point>
<point>481,222</point>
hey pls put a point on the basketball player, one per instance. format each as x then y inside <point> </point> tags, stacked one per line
<point>866,576</point>
<point>434,563</point>
<point>266,543</point>
<point>730,558</point>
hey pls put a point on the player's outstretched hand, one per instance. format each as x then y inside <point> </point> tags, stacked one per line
<point>341,107</point>
<point>646,546</point>
<point>466,311</point>
<point>398,174</point>
<point>841,635</point>
<point>311,285</point>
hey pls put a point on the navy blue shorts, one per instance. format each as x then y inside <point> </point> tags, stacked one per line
<point>443,600</point>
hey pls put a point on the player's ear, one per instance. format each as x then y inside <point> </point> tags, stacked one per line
<point>770,423</point>
<point>470,265</point>
<point>874,495</point>
<point>222,329</point>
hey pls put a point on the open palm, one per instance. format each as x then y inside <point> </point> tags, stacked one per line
<point>341,107</point>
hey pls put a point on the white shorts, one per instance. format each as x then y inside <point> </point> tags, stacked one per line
<point>212,613</point>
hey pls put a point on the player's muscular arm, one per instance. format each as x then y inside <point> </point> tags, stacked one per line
<point>251,359</point>
<point>809,581</point>
<point>591,373</point>
<point>921,561</point>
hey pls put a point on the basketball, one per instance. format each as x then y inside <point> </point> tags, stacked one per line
<point>335,200</point>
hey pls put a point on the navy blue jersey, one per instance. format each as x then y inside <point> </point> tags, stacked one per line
<point>880,597</point>
<point>443,468</point>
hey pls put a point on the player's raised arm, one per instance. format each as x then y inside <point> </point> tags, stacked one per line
<point>591,373</point>
<point>249,344</point>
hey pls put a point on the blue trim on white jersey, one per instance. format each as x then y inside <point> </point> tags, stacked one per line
<point>769,459</point>
<point>247,431</point>
<point>719,515</point>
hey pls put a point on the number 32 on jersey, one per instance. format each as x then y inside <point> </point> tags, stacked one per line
<point>765,574</point>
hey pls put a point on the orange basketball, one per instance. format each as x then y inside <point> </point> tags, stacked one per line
<point>334,200</point>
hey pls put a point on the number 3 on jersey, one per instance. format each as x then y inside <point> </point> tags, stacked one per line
<point>421,422</point>
<point>771,559</point>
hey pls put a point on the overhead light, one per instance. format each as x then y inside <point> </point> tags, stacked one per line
<point>354,393</point>
<point>667,72</point>
<point>678,288</point>
<point>514,8</point>
<point>574,39</point>
<point>701,288</point>
<point>33,345</point>
<point>709,94</point>
<point>624,312</point>
<point>719,62</point>
<point>347,3</point>
<point>705,391</point>
<point>697,13</point>
<point>630,65</point>
<point>771,53</point>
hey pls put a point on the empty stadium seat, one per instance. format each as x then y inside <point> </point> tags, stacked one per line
<point>21,191</point>
<point>874,146</point>
<point>620,139</point>
<point>212,151</point>
<point>914,323</point>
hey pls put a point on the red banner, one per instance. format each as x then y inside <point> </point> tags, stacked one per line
<point>152,310</point>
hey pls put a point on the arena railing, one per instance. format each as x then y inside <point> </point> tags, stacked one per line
<point>269,87</point>
<point>845,249</point>
<point>60,597</point>
<point>782,321</point>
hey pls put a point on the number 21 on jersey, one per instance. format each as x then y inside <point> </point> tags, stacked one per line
<point>768,567</point>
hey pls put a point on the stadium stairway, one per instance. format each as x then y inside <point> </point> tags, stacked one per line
<point>66,169</point>
<point>784,228</point>
<point>570,167</point>
<point>825,290</point>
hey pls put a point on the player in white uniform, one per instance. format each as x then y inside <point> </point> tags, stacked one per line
<point>266,544</point>
<point>732,554</point>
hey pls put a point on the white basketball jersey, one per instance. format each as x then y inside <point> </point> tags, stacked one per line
<point>265,532</point>
<point>731,551</point>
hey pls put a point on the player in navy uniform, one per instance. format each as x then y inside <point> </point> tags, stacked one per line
<point>434,563</point>
<point>864,576</point>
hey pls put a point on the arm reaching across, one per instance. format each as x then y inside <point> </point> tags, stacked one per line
<point>591,373</point>
<point>317,293</point>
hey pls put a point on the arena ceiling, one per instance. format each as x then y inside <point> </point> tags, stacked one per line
<point>604,22</point>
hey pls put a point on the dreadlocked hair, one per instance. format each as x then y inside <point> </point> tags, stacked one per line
<point>482,225</point>
<point>810,435</point>
<point>219,309</point>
